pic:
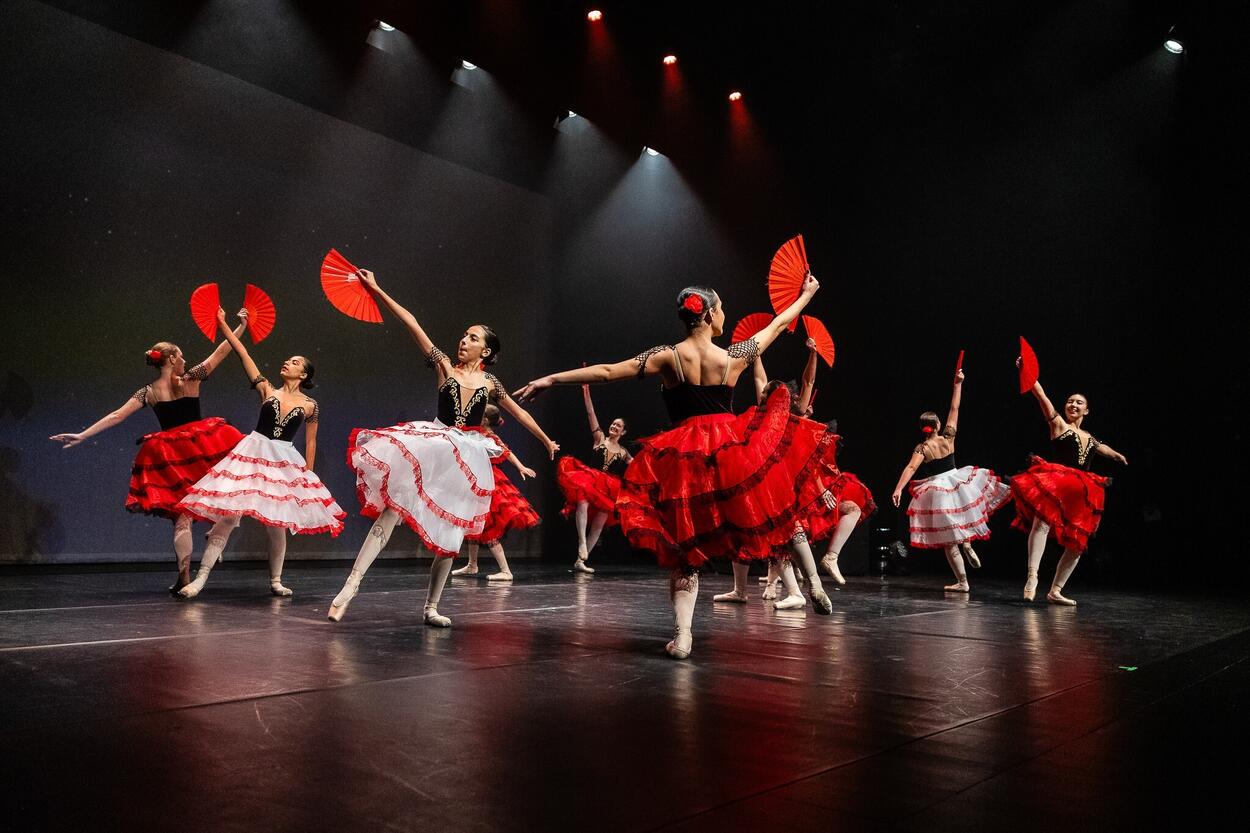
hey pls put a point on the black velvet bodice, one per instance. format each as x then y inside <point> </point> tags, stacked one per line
<point>449,411</point>
<point>1066,450</point>
<point>274,426</point>
<point>686,400</point>
<point>616,465</point>
<point>177,412</point>
<point>936,466</point>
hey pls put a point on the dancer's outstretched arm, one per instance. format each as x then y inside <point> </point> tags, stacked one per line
<point>202,370</point>
<point>115,417</point>
<point>1054,420</point>
<point>917,457</point>
<point>524,470</point>
<point>262,385</point>
<point>442,364</point>
<point>1110,453</point>
<point>808,384</point>
<point>501,398</point>
<point>596,431</point>
<point>774,328</point>
<point>952,416</point>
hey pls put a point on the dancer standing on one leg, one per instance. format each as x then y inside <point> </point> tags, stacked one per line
<point>715,485</point>
<point>178,455</point>
<point>264,477</point>
<point>436,476</point>
<point>508,507</point>
<point>590,492</point>
<point>950,507</point>
<point>1060,498</point>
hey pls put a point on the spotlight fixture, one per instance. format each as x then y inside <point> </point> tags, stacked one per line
<point>650,151</point>
<point>564,116</point>
<point>468,65</point>
<point>670,60</point>
<point>1174,44</point>
<point>594,16</point>
<point>384,26</point>
<point>735,96</point>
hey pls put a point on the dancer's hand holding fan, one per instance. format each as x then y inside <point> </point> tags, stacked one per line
<point>262,314</point>
<point>347,290</point>
<point>786,274</point>
<point>1028,366</point>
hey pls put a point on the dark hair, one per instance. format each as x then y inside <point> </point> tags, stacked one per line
<point>929,419</point>
<point>307,382</point>
<point>166,350</point>
<point>624,424</point>
<point>491,416</point>
<point>688,317</point>
<point>792,387</point>
<point>492,341</point>
<point>1078,393</point>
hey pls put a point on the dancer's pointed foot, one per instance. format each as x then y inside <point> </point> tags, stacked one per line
<point>278,589</point>
<point>434,619</point>
<point>1056,597</point>
<point>500,576</point>
<point>770,592</point>
<point>682,643</point>
<point>1030,587</point>
<point>971,555</point>
<point>958,587</point>
<point>580,566</point>
<point>339,606</point>
<point>821,602</point>
<point>178,585</point>
<point>466,570</point>
<point>732,596</point>
<point>830,563</point>
<point>790,603</point>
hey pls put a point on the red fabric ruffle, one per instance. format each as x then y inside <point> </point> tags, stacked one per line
<point>1070,500</point>
<point>725,486</point>
<point>170,462</point>
<point>579,482</point>
<point>508,510</point>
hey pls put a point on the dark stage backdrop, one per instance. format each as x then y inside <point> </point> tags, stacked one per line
<point>949,213</point>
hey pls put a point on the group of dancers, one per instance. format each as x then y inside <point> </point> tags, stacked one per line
<point>757,486</point>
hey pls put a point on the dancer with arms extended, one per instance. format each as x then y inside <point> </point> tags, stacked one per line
<point>437,475</point>
<point>178,455</point>
<point>264,477</point>
<point>1060,498</point>
<point>716,484</point>
<point>950,507</point>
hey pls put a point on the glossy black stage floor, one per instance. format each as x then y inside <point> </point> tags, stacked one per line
<point>550,705</point>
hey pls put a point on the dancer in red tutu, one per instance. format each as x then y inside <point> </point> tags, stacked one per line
<point>508,507</point>
<point>950,507</point>
<point>1060,498</point>
<point>590,492</point>
<point>264,477</point>
<point>716,484</point>
<point>435,475</point>
<point>178,455</point>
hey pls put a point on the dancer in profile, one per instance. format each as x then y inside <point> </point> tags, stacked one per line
<point>437,475</point>
<point>508,507</point>
<point>950,507</point>
<point>1060,498</point>
<point>178,455</point>
<point>590,491</point>
<point>264,477</point>
<point>715,485</point>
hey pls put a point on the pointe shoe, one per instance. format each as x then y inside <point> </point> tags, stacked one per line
<point>770,592</point>
<point>1030,587</point>
<point>790,603</point>
<point>682,642</point>
<point>434,619</point>
<point>177,585</point>
<point>821,602</point>
<point>958,587</point>
<point>1056,597</point>
<point>499,577</point>
<point>466,570</point>
<point>732,596</point>
<point>830,563</point>
<point>276,588</point>
<point>971,555</point>
<point>579,566</point>
<point>339,606</point>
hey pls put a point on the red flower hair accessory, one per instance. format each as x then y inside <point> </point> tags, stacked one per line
<point>694,303</point>
<point>927,429</point>
<point>155,356</point>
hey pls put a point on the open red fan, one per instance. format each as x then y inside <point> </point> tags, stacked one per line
<point>261,313</point>
<point>345,291</point>
<point>820,334</point>
<point>959,364</point>
<point>1028,366</point>
<point>786,275</point>
<point>204,303</point>
<point>750,325</point>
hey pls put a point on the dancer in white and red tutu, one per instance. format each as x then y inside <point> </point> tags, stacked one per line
<point>716,485</point>
<point>264,477</point>
<point>950,507</point>
<point>178,455</point>
<point>508,507</point>
<point>1060,497</point>
<point>590,491</point>
<point>436,476</point>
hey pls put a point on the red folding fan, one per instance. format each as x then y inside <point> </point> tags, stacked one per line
<point>1028,366</point>
<point>205,301</point>
<point>344,290</point>
<point>261,313</point>
<point>820,334</point>
<point>959,364</point>
<point>750,325</point>
<point>786,275</point>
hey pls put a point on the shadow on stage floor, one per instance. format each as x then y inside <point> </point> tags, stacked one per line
<point>550,705</point>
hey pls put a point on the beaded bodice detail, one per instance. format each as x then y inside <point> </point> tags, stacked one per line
<point>1068,451</point>
<point>454,411</point>
<point>274,425</point>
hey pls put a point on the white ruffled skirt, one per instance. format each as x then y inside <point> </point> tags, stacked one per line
<point>954,506</point>
<point>438,479</point>
<point>268,480</point>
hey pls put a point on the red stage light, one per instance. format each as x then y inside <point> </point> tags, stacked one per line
<point>594,16</point>
<point>669,60</point>
<point>735,96</point>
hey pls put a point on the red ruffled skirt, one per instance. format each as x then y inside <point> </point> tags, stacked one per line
<point>508,510</point>
<point>170,462</point>
<point>725,486</point>
<point>1069,500</point>
<point>841,487</point>
<point>580,482</point>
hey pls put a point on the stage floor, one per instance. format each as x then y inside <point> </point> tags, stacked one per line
<point>550,705</point>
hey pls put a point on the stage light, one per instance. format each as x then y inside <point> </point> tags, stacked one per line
<point>564,116</point>
<point>468,65</point>
<point>594,16</point>
<point>670,60</point>
<point>1174,43</point>
<point>735,96</point>
<point>650,151</point>
<point>384,26</point>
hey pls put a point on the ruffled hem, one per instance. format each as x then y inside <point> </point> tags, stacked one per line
<point>211,514</point>
<point>579,482</point>
<point>1069,500</point>
<point>170,462</point>
<point>955,506</point>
